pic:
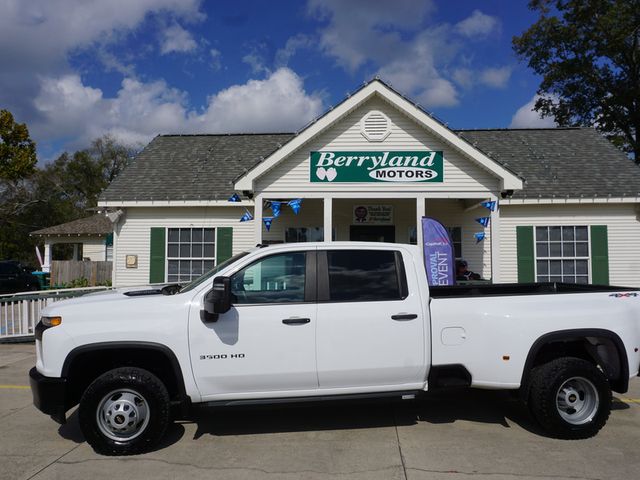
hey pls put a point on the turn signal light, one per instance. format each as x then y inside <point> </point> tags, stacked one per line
<point>51,321</point>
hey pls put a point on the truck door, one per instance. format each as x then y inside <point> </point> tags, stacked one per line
<point>266,343</point>
<point>370,326</point>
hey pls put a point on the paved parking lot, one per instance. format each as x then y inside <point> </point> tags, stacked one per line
<point>453,436</point>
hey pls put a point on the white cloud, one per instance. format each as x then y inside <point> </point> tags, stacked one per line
<point>177,39</point>
<point>527,117</point>
<point>293,44</point>
<point>277,103</point>
<point>477,24</point>
<point>139,111</point>
<point>36,39</point>
<point>496,77</point>
<point>216,59</point>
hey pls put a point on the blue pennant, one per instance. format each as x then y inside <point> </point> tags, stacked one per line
<point>246,216</point>
<point>490,204</point>
<point>295,205</point>
<point>234,198</point>
<point>275,208</point>
<point>479,236</point>
<point>267,222</point>
<point>484,221</point>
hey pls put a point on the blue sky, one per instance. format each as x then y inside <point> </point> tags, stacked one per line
<point>74,70</point>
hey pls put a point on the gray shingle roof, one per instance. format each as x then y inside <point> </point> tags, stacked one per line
<point>191,167</point>
<point>94,225</point>
<point>560,162</point>
<point>575,162</point>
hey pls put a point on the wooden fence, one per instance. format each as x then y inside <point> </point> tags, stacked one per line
<point>64,272</point>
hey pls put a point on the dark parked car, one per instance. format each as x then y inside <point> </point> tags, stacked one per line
<point>16,277</point>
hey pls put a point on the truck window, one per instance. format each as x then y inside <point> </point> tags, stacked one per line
<point>274,279</point>
<point>365,275</point>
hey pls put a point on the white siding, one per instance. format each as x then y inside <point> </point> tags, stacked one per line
<point>623,228</point>
<point>460,173</point>
<point>133,235</point>
<point>94,249</point>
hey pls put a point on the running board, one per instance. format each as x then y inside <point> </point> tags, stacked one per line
<point>403,395</point>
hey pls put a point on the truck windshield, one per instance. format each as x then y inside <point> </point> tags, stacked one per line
<point>212,272</point>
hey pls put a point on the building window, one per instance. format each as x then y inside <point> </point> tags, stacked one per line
<point>456,239</point>
<point>190,253</point>
<point>562,254</point>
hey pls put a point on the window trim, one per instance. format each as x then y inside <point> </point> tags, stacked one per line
<point>166,250</point>
<point>323,276</point>
<point>561,258</point>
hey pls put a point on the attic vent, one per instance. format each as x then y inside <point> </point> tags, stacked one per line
<point>375,126</point>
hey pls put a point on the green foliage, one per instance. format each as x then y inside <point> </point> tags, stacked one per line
<point>17,150</point>
<point>588,55</point>
<point>58,192</point>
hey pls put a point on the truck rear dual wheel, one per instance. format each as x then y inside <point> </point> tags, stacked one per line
<point>125,411</point>
<point>570,398</point>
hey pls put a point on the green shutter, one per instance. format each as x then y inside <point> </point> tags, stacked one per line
<point>599,255</point>
<point>157,248</point>
<point>526,258</point>
<point>224,247</point>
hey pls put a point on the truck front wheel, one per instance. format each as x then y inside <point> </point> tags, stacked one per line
<point>124,411</point>
<point>570,398</point>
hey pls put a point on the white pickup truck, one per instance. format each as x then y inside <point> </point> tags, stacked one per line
<point>329,321</point>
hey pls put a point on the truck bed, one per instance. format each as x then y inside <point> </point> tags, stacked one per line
<point>509,289</point>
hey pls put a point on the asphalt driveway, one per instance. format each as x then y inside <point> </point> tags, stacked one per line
<point>452,436</point>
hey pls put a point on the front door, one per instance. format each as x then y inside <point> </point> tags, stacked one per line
<point>370,327</point>
<point>372,233</point>
<point>265,343</point>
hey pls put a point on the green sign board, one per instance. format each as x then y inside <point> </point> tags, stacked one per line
<point>389,166</point>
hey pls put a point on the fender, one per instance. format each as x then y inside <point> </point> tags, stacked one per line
<point>166,351</point>
<point>620,385</point>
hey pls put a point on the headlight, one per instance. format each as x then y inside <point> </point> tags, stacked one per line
<point>51,321</point>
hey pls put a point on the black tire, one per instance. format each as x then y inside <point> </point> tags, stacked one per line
<point>124,392</point>
<point>583,383</point>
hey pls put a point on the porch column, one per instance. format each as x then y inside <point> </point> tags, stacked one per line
<point>495,243</point>
<point>257,218</point>
<point>420,212</point>
<point>75,252</point>
<point>47,257</point>
<point>328,218</point>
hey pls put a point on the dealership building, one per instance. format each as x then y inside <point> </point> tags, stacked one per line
<point>567,202</point>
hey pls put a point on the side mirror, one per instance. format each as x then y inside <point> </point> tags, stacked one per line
<point>218,300</point>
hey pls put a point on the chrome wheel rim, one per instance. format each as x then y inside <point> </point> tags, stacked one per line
<point>122,415</point>
<point>577,401</point>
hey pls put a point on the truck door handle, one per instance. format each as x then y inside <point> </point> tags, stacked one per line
<point>296,321</point>
<point>404,316</point>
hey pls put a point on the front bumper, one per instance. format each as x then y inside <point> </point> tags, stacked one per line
<point>49,395</point>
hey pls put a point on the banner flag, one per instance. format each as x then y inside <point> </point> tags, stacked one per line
<point>275,208</point>
<point>234,198</point>
<point>246,216</point>
<point>267,222</point>
<point>439,259</point>
<point>484,221</point>
<point>479,236</point>
<point>295,205</point>
<point>490,204</point>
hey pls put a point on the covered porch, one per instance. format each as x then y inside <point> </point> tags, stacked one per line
<point>386,218</point>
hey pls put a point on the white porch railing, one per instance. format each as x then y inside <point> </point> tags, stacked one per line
<point>20,312</point>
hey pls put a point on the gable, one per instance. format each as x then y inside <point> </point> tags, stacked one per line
<point>460,173</point>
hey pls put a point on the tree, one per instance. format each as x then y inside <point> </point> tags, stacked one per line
<point>17,150</point>
<point>588,54</point>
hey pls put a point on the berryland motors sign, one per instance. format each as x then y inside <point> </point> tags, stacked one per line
<point>389,166</point>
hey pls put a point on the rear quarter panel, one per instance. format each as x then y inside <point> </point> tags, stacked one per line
<point>492,336</point>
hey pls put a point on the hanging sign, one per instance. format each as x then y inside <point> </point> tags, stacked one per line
<point>385,166</point>
<point>373,214</point>
<point>439,259</point>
